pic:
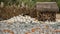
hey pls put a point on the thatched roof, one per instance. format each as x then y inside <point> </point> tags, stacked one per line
<point>47,6</point>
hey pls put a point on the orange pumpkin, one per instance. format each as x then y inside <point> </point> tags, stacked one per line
<point>27,33</point>
<point>9,31</point>
<point>57,30</point>
<point>33,30</point>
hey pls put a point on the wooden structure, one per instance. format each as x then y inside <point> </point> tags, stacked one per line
<point>42,10</point>
<point>46,11</point>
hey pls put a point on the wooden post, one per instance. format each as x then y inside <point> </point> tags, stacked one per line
<point>38,15</point>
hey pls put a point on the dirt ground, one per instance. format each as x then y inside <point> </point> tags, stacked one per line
<point>58,16</point>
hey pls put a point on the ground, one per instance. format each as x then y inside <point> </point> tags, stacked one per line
<point>57,16</point>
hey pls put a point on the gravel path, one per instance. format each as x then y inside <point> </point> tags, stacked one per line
<point>23,28</point>
<point>27,26</point>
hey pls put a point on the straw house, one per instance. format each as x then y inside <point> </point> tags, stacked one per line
<point>46,11</point>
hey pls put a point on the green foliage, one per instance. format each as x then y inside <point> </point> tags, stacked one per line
<point>58,2</point>
<point>30,3</point>
<point>43,0</point>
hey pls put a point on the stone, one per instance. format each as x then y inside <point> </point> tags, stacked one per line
<point>22,24</point>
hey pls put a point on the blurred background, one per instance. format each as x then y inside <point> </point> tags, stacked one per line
<point>27,2</point>
<point>10,8</point>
